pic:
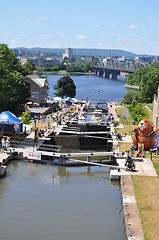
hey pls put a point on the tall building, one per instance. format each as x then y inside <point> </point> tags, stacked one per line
<point>68,53</point>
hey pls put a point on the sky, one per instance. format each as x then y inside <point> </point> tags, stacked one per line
<point>101,24</point>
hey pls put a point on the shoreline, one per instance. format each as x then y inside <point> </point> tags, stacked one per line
<point>66,73</point>
<point>132,87</point>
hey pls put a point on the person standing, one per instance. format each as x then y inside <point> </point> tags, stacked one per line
<point>140,149</point>
<point>3,142</point>
<point>7,142</point>
<point>132,150</point>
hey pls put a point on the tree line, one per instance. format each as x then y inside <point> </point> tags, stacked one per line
<point>78,67</point>
<point>13,89</point>
<point>147,79</point>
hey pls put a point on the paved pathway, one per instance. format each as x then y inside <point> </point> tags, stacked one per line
<point>144,167</point>
<point>3,156</point>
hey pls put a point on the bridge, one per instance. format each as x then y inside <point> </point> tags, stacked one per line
<point>113,67</point>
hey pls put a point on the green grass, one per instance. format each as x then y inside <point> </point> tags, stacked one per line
<point>146,188</point>
<point>156,166</point>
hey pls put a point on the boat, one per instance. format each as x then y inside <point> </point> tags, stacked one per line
<point>3,171</point>
<point>97,117</point>
<point>81,119</point>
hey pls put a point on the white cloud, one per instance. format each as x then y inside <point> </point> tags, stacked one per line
<point>81,37</point>
<point>94,26</point>
<point>34,20</point>
<point>132,27</point>
<point>128,39</point>
<point>114,26</point>
<point>21,35</point>
<point>150,18</point>
<point>5,34</point>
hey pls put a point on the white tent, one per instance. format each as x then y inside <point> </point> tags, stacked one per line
<point>57,99</point>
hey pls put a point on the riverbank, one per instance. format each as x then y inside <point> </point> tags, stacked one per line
<point>63,72</point>
<point>131,87</point>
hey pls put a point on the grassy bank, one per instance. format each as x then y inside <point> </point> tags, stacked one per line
<point>146,188</point>
<point>147,197</point>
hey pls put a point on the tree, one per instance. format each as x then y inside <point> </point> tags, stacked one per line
<point>65,87</point>
<point>136,110</point>
<point>147,78</point>
<point>128,97</point>
<point>26,117</point>
<point>13,90</point>
<point>155,65</point>
<point>73,68</point>
<point>28,68</point>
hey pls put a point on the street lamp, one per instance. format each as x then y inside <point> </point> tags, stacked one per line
<point>36,133</point>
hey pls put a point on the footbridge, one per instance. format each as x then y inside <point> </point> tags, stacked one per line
<point>69,159</point>
<point>113,67</point>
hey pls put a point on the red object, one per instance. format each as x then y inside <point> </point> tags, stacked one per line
<point>36,140</point>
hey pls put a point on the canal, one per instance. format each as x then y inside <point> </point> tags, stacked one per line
<point>52,202</point>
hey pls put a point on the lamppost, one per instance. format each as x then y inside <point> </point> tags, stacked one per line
<point>36,132</point>
<point>35,126</point>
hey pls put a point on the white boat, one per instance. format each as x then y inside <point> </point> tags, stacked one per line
<point>3,171</point>
<point>97,117</point>
<point>81,119</point>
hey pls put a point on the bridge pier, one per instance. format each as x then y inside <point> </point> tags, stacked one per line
<point>99,72</point>
<point>106,73</point>
<point>113,75</point>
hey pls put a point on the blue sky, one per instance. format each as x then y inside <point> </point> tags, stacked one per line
<point>105,24</point>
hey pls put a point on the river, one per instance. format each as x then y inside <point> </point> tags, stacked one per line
<point>51,202</point>
<point>93,88</point>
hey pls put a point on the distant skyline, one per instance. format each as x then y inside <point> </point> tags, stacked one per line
<point>125,25</point>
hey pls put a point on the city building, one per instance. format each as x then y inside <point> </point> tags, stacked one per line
<point>41,61</point>
<point>68,53</point>
<point>37,87</point>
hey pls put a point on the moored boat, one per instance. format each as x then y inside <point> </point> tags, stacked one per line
<point>97,117</point>
<point>3,171</point>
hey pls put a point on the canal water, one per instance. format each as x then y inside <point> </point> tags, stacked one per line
<point>49,202</point>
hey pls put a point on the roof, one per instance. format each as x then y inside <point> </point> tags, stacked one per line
<point>37,80</point>
<point>7,117</point>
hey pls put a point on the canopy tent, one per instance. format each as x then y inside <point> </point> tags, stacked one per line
<point>68,99</point>
<point>74,100</point>
<point>9,121</point>
<point>29,103</point>
<point>57,99</point>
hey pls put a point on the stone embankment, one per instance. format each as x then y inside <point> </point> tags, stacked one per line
<point>133,227</point>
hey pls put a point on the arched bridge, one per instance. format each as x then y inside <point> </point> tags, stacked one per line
<point>113,67</point>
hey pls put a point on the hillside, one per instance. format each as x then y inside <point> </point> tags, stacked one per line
<point>77,51</point>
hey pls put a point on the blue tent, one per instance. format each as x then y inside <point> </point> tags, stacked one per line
<point>68,99</point>
<point>7,118</point>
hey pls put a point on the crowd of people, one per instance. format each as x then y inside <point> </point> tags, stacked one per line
<point>5,143</point>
